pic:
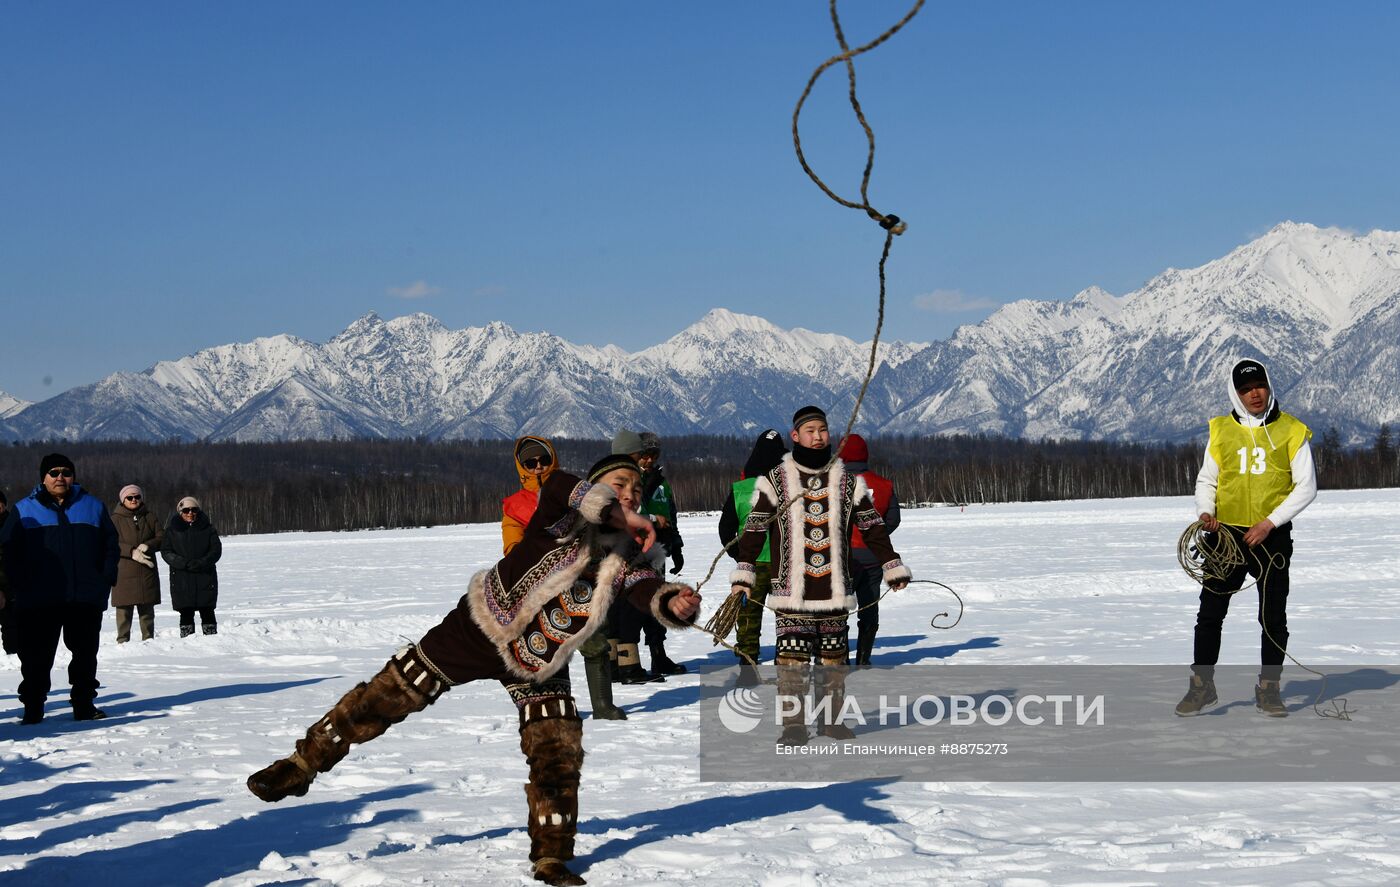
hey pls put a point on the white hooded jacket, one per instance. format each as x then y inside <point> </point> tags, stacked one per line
<point>1304,474</point>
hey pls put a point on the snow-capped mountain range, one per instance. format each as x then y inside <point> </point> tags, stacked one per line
<point>1321,307</point>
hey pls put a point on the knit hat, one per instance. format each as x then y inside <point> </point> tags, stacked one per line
<point>611,463</point>
<point>187,502</point>
<point>767,452</point>
<point>530,447</point>
<point>1248,372</point>
<point>807,414</point>
<point>626,442</point>
<point>56,460</point>
<point>855,449</point>
<point>130,490</point>
<point>650,442</point>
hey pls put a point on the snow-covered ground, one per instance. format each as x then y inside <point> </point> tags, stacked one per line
<point>154,795</point>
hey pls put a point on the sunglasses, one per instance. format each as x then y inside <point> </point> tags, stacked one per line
<point>189,511</point>
<point>537,462</point>
<point>132,498</point>
<point>60,472</point>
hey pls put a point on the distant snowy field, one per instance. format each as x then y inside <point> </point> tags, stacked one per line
<point>154,795</point>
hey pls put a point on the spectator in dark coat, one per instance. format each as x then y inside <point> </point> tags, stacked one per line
<point>8,638</point>
<point>139,535</point>
<point>191,547</point>
<point>61,561</point>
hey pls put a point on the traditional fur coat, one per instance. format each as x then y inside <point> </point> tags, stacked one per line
<point>552,591</point>
<point>810,540</point>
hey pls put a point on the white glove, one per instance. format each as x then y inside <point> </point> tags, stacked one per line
<point>141,556</point>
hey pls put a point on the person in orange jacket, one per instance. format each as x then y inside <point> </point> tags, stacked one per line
<point>535,461</point>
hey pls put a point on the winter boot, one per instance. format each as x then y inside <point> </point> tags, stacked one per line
<point>792,681</point>
<point>661,664</point>
<point>830,680</point>
<point>629,667</point>
<point>1199,694</point>
<point>553,748</point>
<point>864,645</point>
<point>86,711</point>
<point>33,713</point>
<point>404,685</point>
<point>209,627</point>
<point>186,630</point>
<point>1268,700</point>
<point>600,689</point>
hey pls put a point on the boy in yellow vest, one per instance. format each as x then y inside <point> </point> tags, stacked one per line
<point>1257,475</point>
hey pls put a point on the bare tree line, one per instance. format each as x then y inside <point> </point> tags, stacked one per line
<point>357,484</point>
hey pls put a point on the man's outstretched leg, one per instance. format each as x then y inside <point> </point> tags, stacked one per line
<point>404,685</point>
<point>551,736</point>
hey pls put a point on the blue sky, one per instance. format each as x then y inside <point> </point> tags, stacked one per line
<point>179,175</point>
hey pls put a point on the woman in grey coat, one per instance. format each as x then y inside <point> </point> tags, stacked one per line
<point>139,536</point>
<point>192,548</point>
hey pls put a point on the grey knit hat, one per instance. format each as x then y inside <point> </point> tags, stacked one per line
<point>626,442</point>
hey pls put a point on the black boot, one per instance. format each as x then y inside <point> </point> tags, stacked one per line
<point>209,628</point>
<point>661,664</point>
<point>186,630</point>
<point>86,711</point>
<point>748,675</point>
<point>864,645</point>
<point>33,713</point>
<point>629,667</point>
<point>600,690</point>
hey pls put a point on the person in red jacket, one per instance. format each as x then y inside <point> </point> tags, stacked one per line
<point>865,567</point>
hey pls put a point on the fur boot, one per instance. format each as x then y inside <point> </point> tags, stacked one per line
<point>830,681</point>
<point>404,685</point>
<point>554,750</point>
<point>793,677</point>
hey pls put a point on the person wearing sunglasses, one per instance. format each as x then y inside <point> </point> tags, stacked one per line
<point>535,461</point>
<point>61,556</point>
<point>192,548</point>
<point>139,535</point>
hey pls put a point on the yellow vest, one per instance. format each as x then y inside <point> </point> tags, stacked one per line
<point>1256,466</point>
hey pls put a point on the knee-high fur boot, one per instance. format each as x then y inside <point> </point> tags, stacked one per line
<point>793,678</point>
<point>554,750</point>
<point>404,685</point>
<point>830,681</point>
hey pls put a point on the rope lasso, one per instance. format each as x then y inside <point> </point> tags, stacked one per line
<point>723,621</point>
<point>1209,557</point>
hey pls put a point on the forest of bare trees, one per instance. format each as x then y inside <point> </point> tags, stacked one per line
<point>356,484</point>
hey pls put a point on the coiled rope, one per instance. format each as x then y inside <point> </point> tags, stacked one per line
<point>1211,557</point>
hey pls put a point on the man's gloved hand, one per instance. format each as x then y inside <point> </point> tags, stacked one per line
<point>679,560</point>
<point>141,554</point>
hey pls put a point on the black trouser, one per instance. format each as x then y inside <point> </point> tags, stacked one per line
<point>624,621</point>
<point>866,580</point>
<point>653,629</point>
<point>39,629</point>
<point>1268,563</point>
<point>206,616</point>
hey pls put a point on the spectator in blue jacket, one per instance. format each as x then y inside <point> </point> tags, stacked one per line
<point>61,561</point>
